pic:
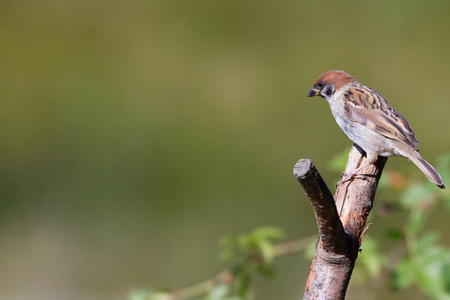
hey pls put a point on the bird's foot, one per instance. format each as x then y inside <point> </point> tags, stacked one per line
<point>347,177</point>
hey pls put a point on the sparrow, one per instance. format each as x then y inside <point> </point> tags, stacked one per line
<point>370,122</point>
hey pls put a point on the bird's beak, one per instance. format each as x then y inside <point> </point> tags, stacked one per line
<point>313,92</point>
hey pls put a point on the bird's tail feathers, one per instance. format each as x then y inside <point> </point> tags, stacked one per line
<point>428,170</point>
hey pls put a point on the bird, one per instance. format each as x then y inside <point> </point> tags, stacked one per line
<point>370,122</point>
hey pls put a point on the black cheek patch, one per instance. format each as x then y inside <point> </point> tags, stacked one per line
<point>328,90</point>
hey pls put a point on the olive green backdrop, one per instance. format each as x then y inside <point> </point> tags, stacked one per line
<point>135,133</point>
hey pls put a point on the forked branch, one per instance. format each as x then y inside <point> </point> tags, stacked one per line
<point>341,221</point>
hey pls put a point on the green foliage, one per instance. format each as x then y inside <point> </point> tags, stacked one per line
<point>251,254</point>
<point>423,262</point>
<point>414,258</point>
<point>254,253</point>
<point>258,242</point>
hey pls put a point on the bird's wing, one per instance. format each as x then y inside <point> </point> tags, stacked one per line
<point>365,106</point>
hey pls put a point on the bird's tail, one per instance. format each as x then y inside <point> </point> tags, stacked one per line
<point>427,169</point>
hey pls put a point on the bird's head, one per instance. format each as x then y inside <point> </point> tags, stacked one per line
<point>328,83</point>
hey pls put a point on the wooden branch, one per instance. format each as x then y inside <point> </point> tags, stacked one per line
<point>341,222</point>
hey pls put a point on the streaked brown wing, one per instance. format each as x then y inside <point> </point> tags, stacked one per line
<point>359,107</point>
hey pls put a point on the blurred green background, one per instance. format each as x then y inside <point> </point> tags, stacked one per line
<point>136,133</point>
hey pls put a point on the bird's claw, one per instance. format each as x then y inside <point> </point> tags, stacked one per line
<point>347,177</point>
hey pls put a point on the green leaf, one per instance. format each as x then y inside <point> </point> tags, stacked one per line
<point>245,245</point>
<point>267,232</point>
<point>446,277</point>
<point>404,274</point>
<point>426,241</point>
<point>266,270</point>
<point>218,293</point>
<point>429,280</point>
<point>242,284</point>
<point>266,249</point>
<point>394,234</point>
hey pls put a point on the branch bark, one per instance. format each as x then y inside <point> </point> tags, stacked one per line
<point>341,222</point>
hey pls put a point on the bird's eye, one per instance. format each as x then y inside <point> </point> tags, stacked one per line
<point>320,84</point>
